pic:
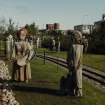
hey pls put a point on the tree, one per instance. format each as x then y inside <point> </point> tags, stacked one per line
<point>2,27</point>
<point>12,28</point>
<point>97,42</point>
<point>32,29</point>
<point>47,43</point>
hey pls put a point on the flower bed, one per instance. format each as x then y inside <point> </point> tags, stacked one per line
<point>6,93</point>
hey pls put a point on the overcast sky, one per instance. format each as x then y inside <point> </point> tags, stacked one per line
<point>66,12</point>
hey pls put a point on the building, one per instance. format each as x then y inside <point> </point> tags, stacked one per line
<point>49,27</point>
<point>55,26</point>
<point>84,28</point>
<point>100,25</point>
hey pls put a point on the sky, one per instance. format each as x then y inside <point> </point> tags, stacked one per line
<point>66,12</point>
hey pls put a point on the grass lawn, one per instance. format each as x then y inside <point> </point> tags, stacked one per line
<point>92,60</point>
<point>43,88</point>
<point>96,61</point>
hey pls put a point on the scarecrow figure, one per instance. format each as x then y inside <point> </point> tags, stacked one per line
<point>22,54</point>
<point>74,60</point>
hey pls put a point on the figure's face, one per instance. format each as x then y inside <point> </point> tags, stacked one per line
<point>77,39</point>
<point>22,35</point>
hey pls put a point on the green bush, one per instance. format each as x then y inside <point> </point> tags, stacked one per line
<point>64,43</point>
<point>97,43</point>
<point>47,43</point>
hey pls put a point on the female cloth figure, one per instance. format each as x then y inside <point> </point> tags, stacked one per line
<point>75,62</point>
<point>9,46</point>
<point>22,54</point>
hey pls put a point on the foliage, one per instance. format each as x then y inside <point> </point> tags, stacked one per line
<point>47,43</point>
<point>57,35</point>
<point>97,42</point>
<point>12,28</point>
<point>64,43</point>
<point>32,29</point>
<point>2,26</point>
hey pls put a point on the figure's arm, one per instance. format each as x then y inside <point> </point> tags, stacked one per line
<point>70,58</point>
<point>31,53</point>
<point>13,52</point>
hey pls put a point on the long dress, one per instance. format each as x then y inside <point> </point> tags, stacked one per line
<point>75,64</point>
<point>20,50</point>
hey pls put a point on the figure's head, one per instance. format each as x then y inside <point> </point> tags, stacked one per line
<point>22,33</point>
<point>77,38</point>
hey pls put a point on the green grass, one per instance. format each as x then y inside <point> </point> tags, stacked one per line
<point>92,60</point>
<point>96,61</point>
<point>52,74</point>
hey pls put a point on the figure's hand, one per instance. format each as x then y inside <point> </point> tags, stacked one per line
<point>13,59</point>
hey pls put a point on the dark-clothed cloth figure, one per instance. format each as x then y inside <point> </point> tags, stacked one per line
<point>22,54</point>
<point>74,60</point>
<point>85,43</point>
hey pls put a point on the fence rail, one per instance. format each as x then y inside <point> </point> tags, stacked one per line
<point>91,73</point>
